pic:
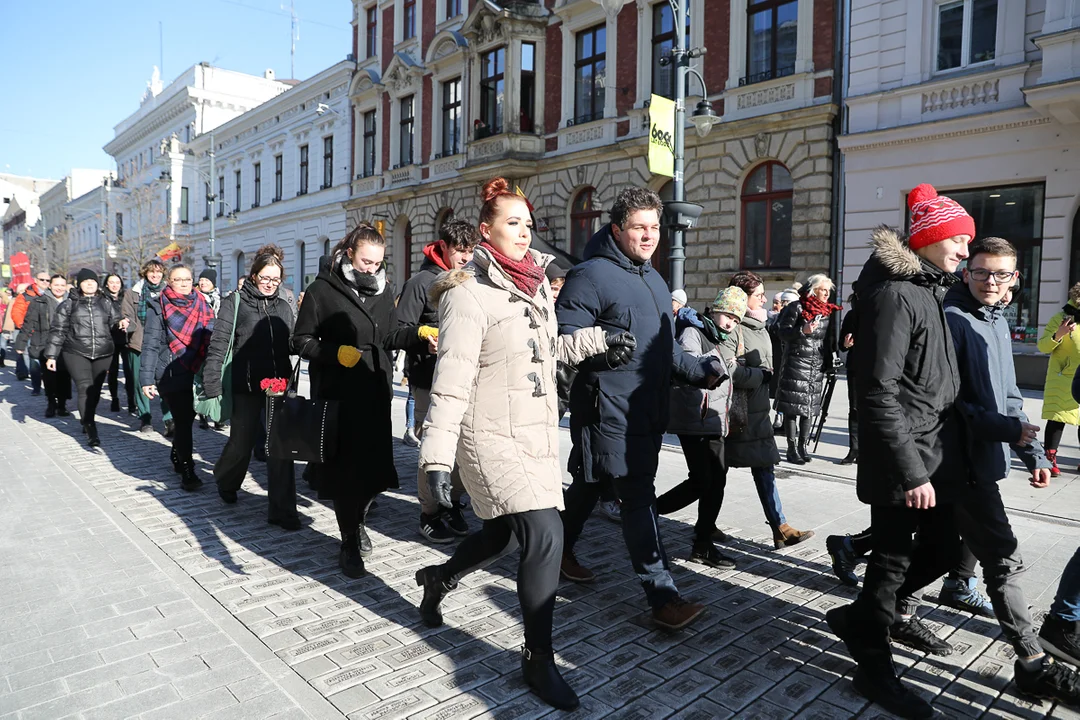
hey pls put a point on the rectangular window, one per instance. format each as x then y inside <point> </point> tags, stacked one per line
<point>453,8</point>
<point>221,196</point>
<point>119,227</point>
<point>967,33</point>
<point>303,170</point>
<point>492,86</point>
<point>369,143</point>
<point>257,189</point>
<point>771,40</point>
<point>590,61</point>
<point>327,161</point>
<point>451,117</point>
<point>277,177</point>
<point>408,19</point>
<point>236,200</point>
<point>184,205</point>
<point>168,205</point>
<point>663,28</point>
<point>405,137</point>
<point>527,121</point>
<point>372,31</point>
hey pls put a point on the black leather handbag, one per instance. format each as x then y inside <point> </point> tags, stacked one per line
<point>301,429</point>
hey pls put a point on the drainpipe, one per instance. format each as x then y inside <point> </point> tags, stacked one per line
<point>839,126</point>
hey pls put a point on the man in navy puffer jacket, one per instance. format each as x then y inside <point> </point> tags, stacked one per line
<point>619,402</point>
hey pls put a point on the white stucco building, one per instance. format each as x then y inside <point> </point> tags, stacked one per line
<point>58,217</point>
<point>281,176</point>
<point>153,201</point>
<point>20,215</point>
<point>980,98</point>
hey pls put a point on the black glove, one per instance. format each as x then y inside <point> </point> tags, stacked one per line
<point>439,484</point>
<point>621,346</point>
<point>766,376</point>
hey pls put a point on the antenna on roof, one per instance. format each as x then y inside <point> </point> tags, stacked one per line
<point>294,35</point>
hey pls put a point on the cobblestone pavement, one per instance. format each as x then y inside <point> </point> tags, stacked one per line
<point>125,596</point>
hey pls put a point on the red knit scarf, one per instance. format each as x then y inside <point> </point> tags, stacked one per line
<point>812,308</point>
<point>189,321</point>
<point>526,275</point>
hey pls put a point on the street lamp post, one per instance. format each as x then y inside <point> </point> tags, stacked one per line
<point>212,260</point>
<point>104,224</point>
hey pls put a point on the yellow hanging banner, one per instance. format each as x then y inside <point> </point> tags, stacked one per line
<point>661,136</point>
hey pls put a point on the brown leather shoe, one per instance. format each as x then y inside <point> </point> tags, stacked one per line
<point>677,614</point>
<point>786,536</point>
<point>571,569</point>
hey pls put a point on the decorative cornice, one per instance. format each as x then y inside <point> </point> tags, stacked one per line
<point>851,142</point>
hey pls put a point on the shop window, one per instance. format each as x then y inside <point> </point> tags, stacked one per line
<point>766,217</point>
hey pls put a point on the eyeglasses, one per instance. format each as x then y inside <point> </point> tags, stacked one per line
<point>263,280</point>
<point>43,279</point>
<point>982,275</point>
<point>181,281</point>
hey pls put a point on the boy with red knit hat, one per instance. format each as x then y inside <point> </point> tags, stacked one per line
<point>909,433</point>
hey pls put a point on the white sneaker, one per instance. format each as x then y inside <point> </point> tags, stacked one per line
<point>410,438</point>
<point>610,510</point>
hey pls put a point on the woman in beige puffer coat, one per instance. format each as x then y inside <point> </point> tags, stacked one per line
<point>494,411</point>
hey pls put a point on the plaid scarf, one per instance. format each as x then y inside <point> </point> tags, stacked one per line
<point>812,308</point>
<point>189,321</point>
<point>149,292</point>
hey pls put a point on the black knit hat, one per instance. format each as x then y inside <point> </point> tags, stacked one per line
<point>210,274</point>
<point>86,274</point>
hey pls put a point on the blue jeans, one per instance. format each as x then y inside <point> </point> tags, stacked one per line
<point>35,372</point>
<point>765,480</point>
<point>1067,602</point>
<point>410,405</point>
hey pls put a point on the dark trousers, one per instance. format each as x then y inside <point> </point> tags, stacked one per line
<point>981,517</point>
<point>1054,431</point>
<point>637,505</point>
<point>853,414</point>
<point>88,375</point>
<point>912,548</point>
<point>182,403</point>
<point>121,355</point>
<point>708,478</point>
<point>232,466</point>
<point>539,534</point>
<point>58,383</point>
<point>351,502</point>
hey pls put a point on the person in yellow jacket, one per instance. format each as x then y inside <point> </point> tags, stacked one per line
<point>1061,340</point>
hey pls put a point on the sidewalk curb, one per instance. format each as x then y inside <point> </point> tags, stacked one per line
<point>310,702</point>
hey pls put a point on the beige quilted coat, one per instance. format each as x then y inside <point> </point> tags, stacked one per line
<point>494,403</point>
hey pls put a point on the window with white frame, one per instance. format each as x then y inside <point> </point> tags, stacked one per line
<point>590,72</point>
<point>527,119</point>
<point>372,28</point>
<point>663,40</point>
<point>408,19</point>
<point>221,195</point>
<point>453,8</point>
<point>369,144</point>
<point>303,170</point>
<point>966,33</point>
<point>277,177</point>
<point>405,128</point>
<point>257,189</point>
<point>492,89</point>
<point>236,203</point>
<point>451,117</point>
<point>328,161</point>
<point>183,205</point>
<point>772,39</point>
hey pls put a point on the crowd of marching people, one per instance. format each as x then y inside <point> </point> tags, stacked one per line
<point>499,343</point>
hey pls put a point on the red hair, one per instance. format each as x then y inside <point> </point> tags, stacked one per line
<point>492,191</point>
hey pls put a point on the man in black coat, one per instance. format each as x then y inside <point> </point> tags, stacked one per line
<point>619,401</point>
<point>416,323</point>
<point>32,338</point>
<point>912,455</point>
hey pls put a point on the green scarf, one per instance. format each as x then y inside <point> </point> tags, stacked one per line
<point>149,292</point>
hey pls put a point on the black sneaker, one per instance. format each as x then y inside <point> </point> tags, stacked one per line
<point>455,520</point>
<point>916,635</point>
<point>879,684</point>
<point>434,529</point>
<point>1060,638</point>
<point>843,559</point>
<point>707,554</point>
<point>1053,681</point>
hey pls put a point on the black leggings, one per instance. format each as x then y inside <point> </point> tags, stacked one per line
<point>88,376</point>
<point>1054,431</point>
<point>182,403</point>
<point>708,478</point>
<point>232,466</point>
<point>539,534</point>
<point>121,355</point>
<point>57,384</point>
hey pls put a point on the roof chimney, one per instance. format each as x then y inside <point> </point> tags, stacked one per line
<point>269,74</point>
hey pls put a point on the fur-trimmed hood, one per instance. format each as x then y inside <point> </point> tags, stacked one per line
<point>448,281</point>
<point>893,260</point>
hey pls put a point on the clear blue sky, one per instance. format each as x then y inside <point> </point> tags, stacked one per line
<point>73,69</point>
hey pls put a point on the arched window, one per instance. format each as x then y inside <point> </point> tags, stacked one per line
<point>584,220</point>
<point>766,217</point>
<point>241,267</point>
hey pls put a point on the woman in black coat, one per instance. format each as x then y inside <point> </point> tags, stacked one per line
<point>804,328</point>
<point>341,329</point>
<point>175,340</point>
<point>114,291</point>
<point>82,330</point>
<point>260,339</point>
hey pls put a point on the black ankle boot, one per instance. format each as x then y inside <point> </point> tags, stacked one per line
<point>115,407</point>
<point>435,589</point>
<point>804,438</point>
<point>543,678</point>
<point>189,479</point>
<point>62,410</point>
<point>92,439</point>
<point>50,408</point>
<point>793,455</point>
<point>352,564</point>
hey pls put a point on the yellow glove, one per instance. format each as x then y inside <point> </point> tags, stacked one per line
<point>348,356</point>
<point>426,332</point>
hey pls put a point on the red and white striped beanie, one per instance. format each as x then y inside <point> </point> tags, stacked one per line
<point>935,218</point>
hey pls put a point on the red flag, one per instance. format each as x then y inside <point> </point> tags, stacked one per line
<point>20,269</point>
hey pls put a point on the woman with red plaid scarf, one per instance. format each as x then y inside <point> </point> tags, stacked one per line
<point>175,341</point>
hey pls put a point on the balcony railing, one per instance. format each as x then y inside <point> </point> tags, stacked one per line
<point>582,119</point>
<point>767,75</point>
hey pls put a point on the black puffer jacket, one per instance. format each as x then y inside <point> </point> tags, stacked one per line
<point>414,310</point>
<point>83,325</point>
<point>806,360</point>
<point>34,333</point>
<point>119,336</point>
<point>907,380</point>
<point>261,345</point>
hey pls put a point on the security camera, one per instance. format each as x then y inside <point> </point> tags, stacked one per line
<point>322,109</point>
